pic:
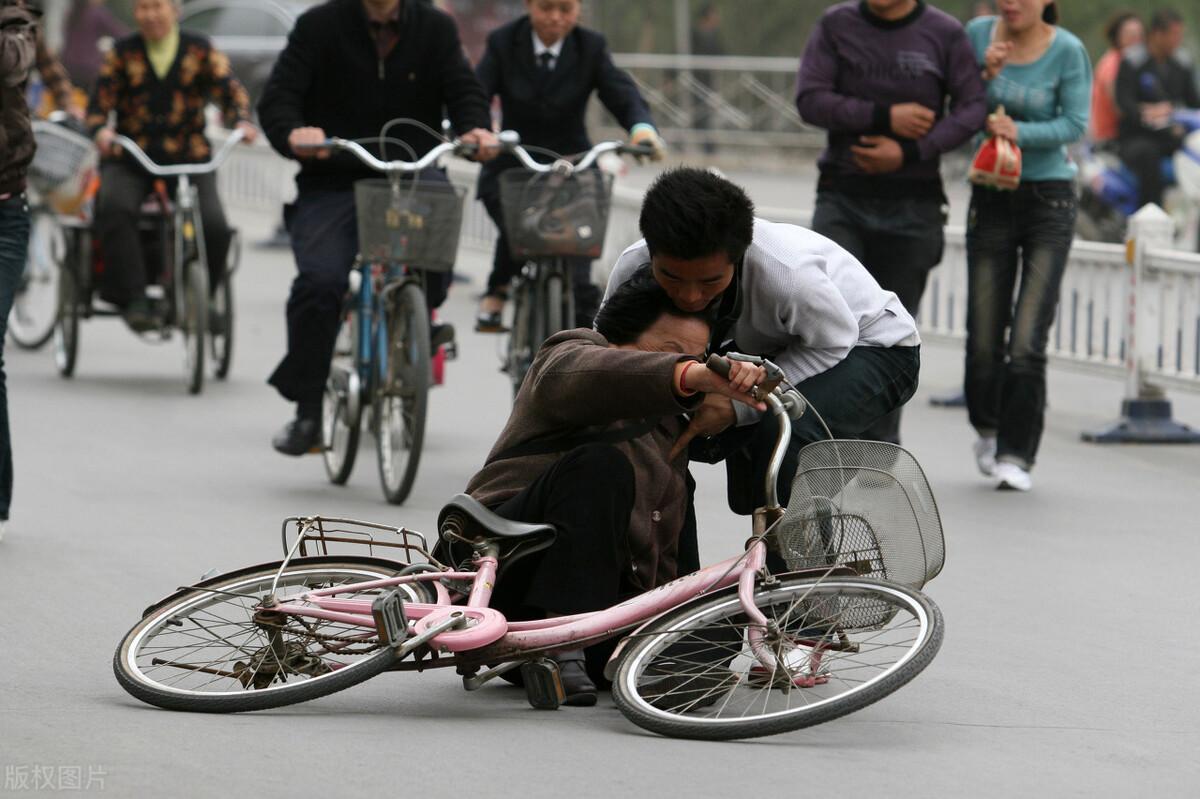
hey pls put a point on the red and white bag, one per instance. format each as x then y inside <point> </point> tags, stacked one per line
<point>997,163</point>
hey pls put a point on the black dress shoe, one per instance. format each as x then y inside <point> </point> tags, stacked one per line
<point>299,437</point>
<point>440,334</point>
<point>142,315</point>
<point>578,688</point>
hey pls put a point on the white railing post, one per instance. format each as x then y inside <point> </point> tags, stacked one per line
<point>1145,410</point>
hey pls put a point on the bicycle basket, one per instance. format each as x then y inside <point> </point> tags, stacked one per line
<point>550,214</point>
<point>414,222</point>
<point>866,505</point>
<point>63,163</point>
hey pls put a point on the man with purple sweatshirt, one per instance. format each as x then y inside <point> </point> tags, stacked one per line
<point>877,74</point>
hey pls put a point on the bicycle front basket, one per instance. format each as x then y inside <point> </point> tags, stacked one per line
<point>554,215</point>
<point>63,162</point>
<point>413,222</point>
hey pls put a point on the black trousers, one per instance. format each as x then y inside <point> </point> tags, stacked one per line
<point>324,235</point>
<point>898,241</point>
<point>1144,156</point>
<point>505,268</point>
<point>123,187</point>
<point>868,384</point>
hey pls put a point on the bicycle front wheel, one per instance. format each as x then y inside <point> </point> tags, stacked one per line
<point>213,649</point>
<point>193,323</point>
<point>521,346</point>
<point>830,647</point>
<point>35,305</point>
<point>70,297</point>
<point>220,327</point>
<point>402,393</point>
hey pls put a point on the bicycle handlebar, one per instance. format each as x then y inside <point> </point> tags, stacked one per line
<point>174,170</point>
<point>510,142</point>
<point>353,147</point>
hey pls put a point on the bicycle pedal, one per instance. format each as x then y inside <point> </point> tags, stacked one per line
<point>390,621</point>
<point>543,684</point>
<point>450,351</point>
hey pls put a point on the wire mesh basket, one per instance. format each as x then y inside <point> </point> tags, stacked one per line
<point>552,214</point>
<point>866,505</point>
<point>412,222</point>
<point>63,163</point>
<point>323,535</point>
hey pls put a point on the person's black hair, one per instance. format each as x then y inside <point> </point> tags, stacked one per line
<point>635,306</point>
<point>1164,18</point>
<point>691,213</point>
<point>1112,31</point>
<point>1050,14</point>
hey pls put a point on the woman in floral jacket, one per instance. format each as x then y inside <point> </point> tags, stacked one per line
<point>157,82</point>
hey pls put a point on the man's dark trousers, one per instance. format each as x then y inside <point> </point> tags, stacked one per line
<point>898,240</point>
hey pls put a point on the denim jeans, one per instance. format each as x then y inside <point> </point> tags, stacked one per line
<point>898,240</point>
<point>1016,240</point>
<point>14,243</point>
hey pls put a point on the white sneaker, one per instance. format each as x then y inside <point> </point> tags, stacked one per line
<point>985,455</point>
<point>1012,477</point>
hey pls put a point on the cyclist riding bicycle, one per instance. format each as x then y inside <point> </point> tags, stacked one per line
<point>588,449</point>
<point>544,68</point>
<point>783,292</point>
<point>158,82</point>
<point>351,66</point>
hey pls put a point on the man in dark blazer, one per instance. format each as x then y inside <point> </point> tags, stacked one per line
<point>349,67</point>
<point>544,68</point>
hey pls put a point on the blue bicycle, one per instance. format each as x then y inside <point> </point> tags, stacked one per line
<point>407,227</point>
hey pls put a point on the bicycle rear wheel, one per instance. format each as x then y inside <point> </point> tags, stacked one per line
<point>831,646</point>
<point>342,405</point>
<point>402,392</point>
<point>193,323</point>
<point>35,304</point>
<point>211,649</point>
<point>220,327</point>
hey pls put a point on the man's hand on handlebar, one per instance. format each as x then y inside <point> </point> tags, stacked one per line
<point>305,143</point>
<point>647,136</point>
<point>485,140</point>
<point>249,132</point>
<point>105,143</point>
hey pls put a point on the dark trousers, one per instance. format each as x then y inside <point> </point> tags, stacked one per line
<point>1015,240</point>
<point>14,243</point>
<point>505,268</point>
<point>324,235</point>
<point>867,385</point>
<point>123,188</point>
<point>1144,156</point>
<point>898,241</point>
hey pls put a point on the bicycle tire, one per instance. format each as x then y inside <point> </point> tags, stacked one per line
<point>194,323</point>
<point>341,414</point>
<point>520,338</point>
<point>38,285</point>
<point>131,662</point>
<point>688,689</point>
<point>554,305</point>
<point>401,400</point>
<point>66,328</point>
<point>220,336</point>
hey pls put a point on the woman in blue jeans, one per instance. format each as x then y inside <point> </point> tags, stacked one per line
<point>1041,75</point>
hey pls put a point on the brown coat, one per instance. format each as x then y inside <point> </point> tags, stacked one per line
<point>578,384</point>
<point>18,47</point>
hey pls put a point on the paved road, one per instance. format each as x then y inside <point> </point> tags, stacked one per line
<point>1069,666</point>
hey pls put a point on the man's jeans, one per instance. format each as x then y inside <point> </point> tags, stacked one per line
<point>14,243</point>
<point>1023,234</point>
<point>869,383</point>
<point>898,241</point>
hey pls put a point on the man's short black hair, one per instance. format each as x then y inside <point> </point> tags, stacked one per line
<point>1164,19</point>
<point>636,305</point>
<point>691,213</point>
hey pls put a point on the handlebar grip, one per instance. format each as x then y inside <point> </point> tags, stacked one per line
<point>327,144</point>
<point>637,149</point>
<point>466,148</point>
<point>719,365</point>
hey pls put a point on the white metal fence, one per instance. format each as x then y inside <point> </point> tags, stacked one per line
<point>1090,331</point>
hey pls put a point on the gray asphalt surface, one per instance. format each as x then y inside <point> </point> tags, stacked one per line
<point>1069,667</point>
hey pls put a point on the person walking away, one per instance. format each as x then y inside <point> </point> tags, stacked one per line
<point>157,83</point>
<point>1020,239</point>
<point>706,41</point>
<point>1124,30</point>
<point>544,68</point>
<point>18,53</point>
<point>349,67</point>
<point>877,75</point>
<point>1151,84</point>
